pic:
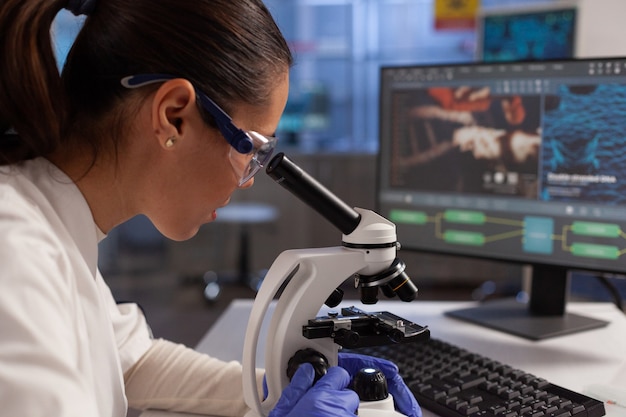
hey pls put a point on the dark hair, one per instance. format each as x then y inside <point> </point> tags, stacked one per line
<point>232,50</point>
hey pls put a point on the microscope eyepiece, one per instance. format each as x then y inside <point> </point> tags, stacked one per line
<point>289,175</point>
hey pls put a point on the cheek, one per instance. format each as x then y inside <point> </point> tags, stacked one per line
<point>212,181</point>
<point>191,207</point>
<point>203,184</point>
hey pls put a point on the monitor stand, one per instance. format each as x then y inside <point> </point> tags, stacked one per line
<point>542,317</point>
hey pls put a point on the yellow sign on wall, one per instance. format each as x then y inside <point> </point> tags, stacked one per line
<point>456,14</point>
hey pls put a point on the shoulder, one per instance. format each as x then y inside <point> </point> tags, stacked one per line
<point>21,201</point>
<point>26,220</point>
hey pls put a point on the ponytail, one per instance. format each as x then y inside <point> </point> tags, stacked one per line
<point>231,50</point>
<point>32,101</point>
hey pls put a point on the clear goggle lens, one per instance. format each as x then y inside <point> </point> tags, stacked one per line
<point>247,165</point>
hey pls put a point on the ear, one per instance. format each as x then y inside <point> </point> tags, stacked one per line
<point>173,107</point>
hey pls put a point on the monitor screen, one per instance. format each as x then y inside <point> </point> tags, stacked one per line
<point>537,34</point>
<point>520,162</point>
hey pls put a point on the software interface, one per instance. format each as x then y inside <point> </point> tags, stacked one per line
<point>513,161</point>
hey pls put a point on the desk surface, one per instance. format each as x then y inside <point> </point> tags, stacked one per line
<point>574,361</point>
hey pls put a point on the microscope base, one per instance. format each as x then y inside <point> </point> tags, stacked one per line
<point>382,408</point>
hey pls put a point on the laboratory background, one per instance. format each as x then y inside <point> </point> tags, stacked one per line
<point>330,128</point>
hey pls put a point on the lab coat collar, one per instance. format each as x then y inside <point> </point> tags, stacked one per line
<point>71,207</point>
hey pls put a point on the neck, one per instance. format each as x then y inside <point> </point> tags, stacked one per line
<point>102,185</point>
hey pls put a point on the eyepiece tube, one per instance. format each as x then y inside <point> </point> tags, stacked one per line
<point>286,173</point>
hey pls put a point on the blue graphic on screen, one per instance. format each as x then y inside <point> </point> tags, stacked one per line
<point>583,152</point>
<point>538,234</point>
<point>583,156</point>
<point>539,35</point>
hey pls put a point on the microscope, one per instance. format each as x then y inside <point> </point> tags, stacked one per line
<point>302,280</point>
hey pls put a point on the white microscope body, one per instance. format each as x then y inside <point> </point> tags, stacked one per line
<point>305,279</point>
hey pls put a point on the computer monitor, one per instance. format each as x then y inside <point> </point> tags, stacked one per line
<point>520,162</point>
<point>529,33</point>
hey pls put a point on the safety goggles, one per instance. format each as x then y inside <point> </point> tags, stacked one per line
<point>249,151</point>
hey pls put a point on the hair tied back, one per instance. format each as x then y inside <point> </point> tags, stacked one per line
<point>80,7</point>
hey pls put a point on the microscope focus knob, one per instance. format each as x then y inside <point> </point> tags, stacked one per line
<point>335,298</point>
<point>312,356</point>
<point>370,384</point>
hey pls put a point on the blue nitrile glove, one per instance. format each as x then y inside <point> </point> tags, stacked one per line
<point>329,397</point>
<point>404,400</point>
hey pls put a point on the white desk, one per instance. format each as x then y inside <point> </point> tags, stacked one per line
<point>573,361</point>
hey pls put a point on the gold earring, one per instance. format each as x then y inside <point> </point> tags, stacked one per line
<point>170,141</point>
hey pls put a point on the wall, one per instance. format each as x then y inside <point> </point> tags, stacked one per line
<point>601,31</point>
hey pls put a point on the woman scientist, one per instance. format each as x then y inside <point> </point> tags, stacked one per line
<point>129,127</point>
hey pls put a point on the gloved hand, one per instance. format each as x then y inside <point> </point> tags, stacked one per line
<point>404,400</point>
<point>329,397</point>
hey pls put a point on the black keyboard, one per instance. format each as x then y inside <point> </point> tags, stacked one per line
<point>453,382</point>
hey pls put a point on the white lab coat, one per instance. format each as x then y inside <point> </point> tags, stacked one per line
<point>64,343</point>
<point>66,348</point>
